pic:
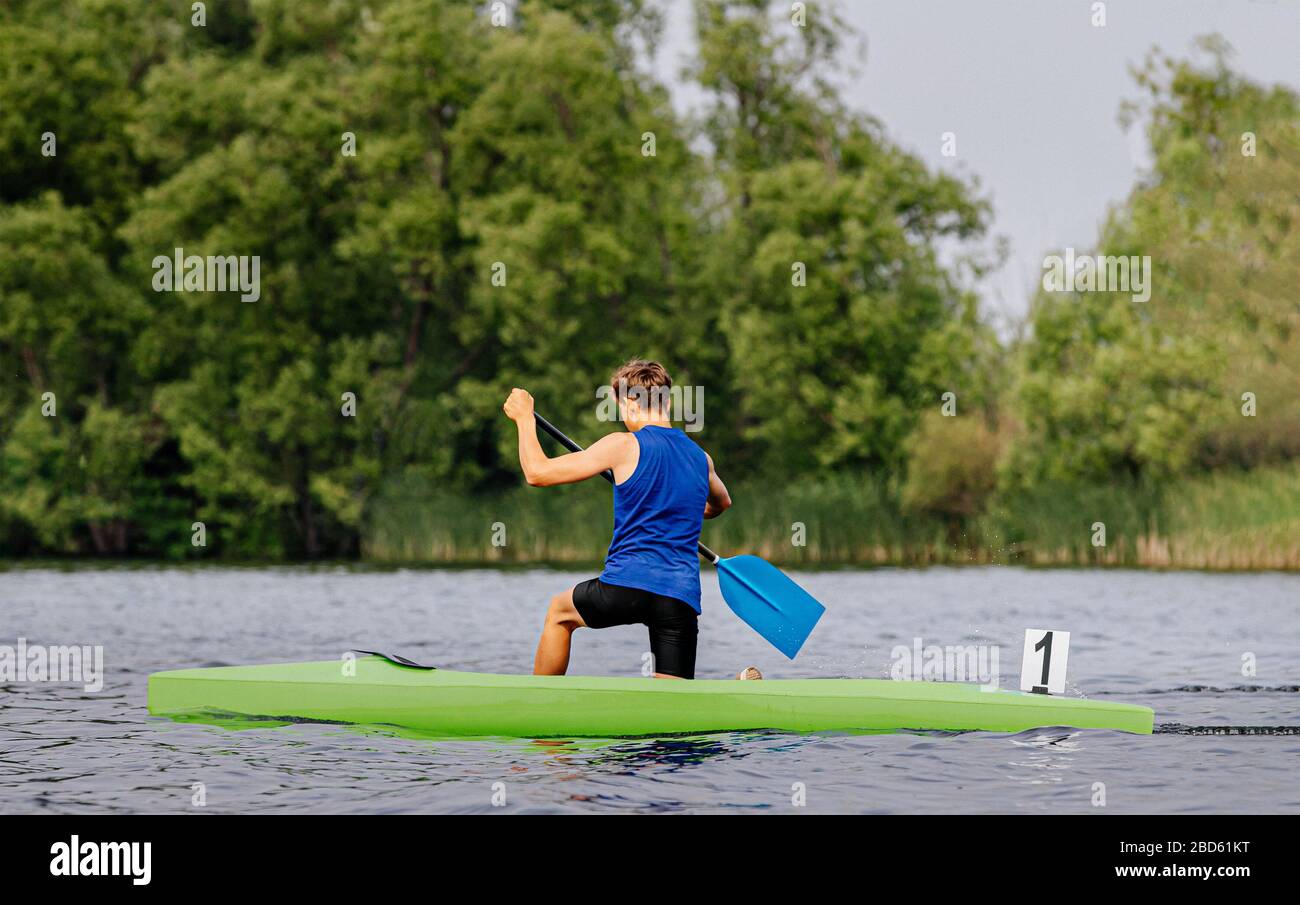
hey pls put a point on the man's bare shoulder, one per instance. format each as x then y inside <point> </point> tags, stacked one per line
<point>617,442</point>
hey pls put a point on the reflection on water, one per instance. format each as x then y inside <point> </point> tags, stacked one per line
<point>65,750</point>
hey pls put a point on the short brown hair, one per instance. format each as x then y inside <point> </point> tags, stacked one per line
<point>650,376</point>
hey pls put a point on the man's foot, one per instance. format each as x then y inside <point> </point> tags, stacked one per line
<point>750,672</point>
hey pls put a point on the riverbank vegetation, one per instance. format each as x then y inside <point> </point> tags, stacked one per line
<point>1225,521</point>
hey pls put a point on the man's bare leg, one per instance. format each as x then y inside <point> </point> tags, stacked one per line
<point>562,618</point>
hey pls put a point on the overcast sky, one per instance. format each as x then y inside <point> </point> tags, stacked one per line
<point>1032,91</point>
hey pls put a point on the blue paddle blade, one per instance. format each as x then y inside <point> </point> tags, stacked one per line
<point>769,601</point>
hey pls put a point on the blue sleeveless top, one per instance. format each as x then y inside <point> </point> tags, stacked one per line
<point>658,512</point>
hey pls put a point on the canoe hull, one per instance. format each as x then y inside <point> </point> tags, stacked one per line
<point>453,703</point>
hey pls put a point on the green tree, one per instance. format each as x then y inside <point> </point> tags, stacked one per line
<point>834,304</point>
<point>544,151</point>
<point>1108,388</point>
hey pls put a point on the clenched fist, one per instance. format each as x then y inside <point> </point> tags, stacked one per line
<point>519,405</point>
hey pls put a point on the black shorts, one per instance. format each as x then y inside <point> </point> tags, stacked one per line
<point>674,625</point>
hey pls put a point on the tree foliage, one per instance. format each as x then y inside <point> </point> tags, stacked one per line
<point>1108,388</point>
<point>525,207</point>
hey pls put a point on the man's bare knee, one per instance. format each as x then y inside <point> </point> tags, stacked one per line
<point>563,613</point>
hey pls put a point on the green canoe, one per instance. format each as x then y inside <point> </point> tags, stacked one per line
<point>450,703</point>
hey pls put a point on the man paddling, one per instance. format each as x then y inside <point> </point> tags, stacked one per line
<point>664,486</point>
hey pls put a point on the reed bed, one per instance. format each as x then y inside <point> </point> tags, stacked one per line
<point>1226,521</point>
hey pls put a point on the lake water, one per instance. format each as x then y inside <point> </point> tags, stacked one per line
<point>1176,641</point>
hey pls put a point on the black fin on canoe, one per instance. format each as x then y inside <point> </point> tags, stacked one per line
<point>397,659</point>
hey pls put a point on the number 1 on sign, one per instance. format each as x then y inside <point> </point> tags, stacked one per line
<point>1043,664</point>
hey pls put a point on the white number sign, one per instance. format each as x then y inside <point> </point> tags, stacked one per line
<point>1042,667</point>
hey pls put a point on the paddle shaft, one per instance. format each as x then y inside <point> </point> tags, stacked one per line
<point>608,475</point>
